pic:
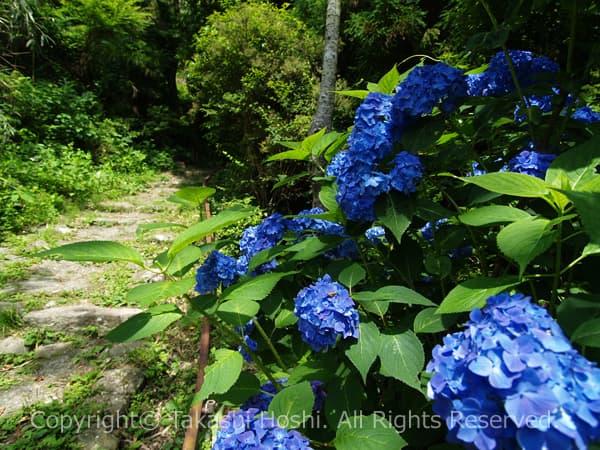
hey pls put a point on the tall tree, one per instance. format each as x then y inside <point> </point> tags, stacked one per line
<point>324,115</point>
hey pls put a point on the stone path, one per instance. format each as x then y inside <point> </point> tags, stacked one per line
<point>44,376</point>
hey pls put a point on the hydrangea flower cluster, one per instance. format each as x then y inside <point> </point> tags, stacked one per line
<point>249,430</point>
<point>530,162</point>
<point>512,380</point>
<point>426,87</point>
<point>262,237</point>
<point>262,400</point>
<point>376,234</point>
<point>245,332</point>
<point>497,79</point>
<point>217,269</point>
<point>302,226</point>
<point>325,311</point>
<point>586,114</point>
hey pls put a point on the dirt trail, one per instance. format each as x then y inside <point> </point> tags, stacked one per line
<point>74,299</point>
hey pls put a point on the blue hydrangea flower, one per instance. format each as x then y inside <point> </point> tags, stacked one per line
<point>325,311</point>
<point>406,173</point>
<point>513,364</point>
<point>426,87</point>
<point>476,170</point>
<point>249,430</point>
<point>376,234</point>
<point>245,332</point>
<point>586,114</point>
<point>497,79</point>
<point>217,269</point>
<point>262,400</point>
<point>530,162</point>
<point>262,237</point>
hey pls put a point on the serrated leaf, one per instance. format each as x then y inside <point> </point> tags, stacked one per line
<point>402,357</point>
<point>313,247</point>
<point>395,211</point>
<point>193,195</point>
<point>492,215</point>
<point>393,294</point>
<point>586,204</point>
<point>509,183</point>
<point>256,288</point>
<point>95,251</point>
<point>588,333</point>
<point>245,387</point>
<point>285,318</point>
<point>293,405</point>
<point>578,165</point>
<point>352,275</point>
<point>301,154</point>
<point>148,293</point>
<point>327,197</point>
<point>364,351</point>
<point>344,396</point>
<point>208,226</point>
<point>183,260</point>
<point>473,293</point>
<point>522,241</point>
<point>361,94</point>
<point>221,375</point>
<point>387,84</point>
<point>145,324</point>
<point>238,312</point>
<point>428,321</point>
<point>367,433</point>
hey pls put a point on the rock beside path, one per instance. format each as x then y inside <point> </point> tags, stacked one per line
<point>77,318</point>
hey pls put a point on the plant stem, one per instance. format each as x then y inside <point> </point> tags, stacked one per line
<point>557,271</point>
<point>261,331</point>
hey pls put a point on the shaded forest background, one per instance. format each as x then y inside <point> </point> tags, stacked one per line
<point>95,95</point>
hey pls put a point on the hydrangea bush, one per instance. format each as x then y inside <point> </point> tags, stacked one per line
<point>459,225</point>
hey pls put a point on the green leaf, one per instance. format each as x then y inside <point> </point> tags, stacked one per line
<point>327,197</point>
<point>238,312</point>
<point>141,229</point>
<point>423,135</point>
<point>285,180</point>
<point>587,205</point>
<point>492,215</point>
<point>473,293</point>
<point>313,246</point>
<point>293,405</point>
<point>364,352</point>
<point>361,94</point>
<point>245,387</point>
<point>393,294</point>
<point>255,288</point>
<point>148,293</point>
<point>389,81</point>
<point>344,396</point>
<point>145,324</point>
<point>301,154</point>
<point>588,333</point>
<point>576,309</point>
<point>183,260</point>
<point>264,256</point>
<point>285,318</point>
<point>221,375</point>
<point>509,183</point>
<point>590,249</point>
<point>402,357</point>
<point>578,165</point>
<point>395,211</point>
<point>428,321</point>
<point>439,265</point>
<point>192,195</point>
<point>95,251</point>
<point>372,432</point>
<point>352,275</point>
<point>208,226</point>
<point>525,239</point>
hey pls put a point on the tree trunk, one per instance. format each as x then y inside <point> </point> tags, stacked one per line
<point>324,115</point>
